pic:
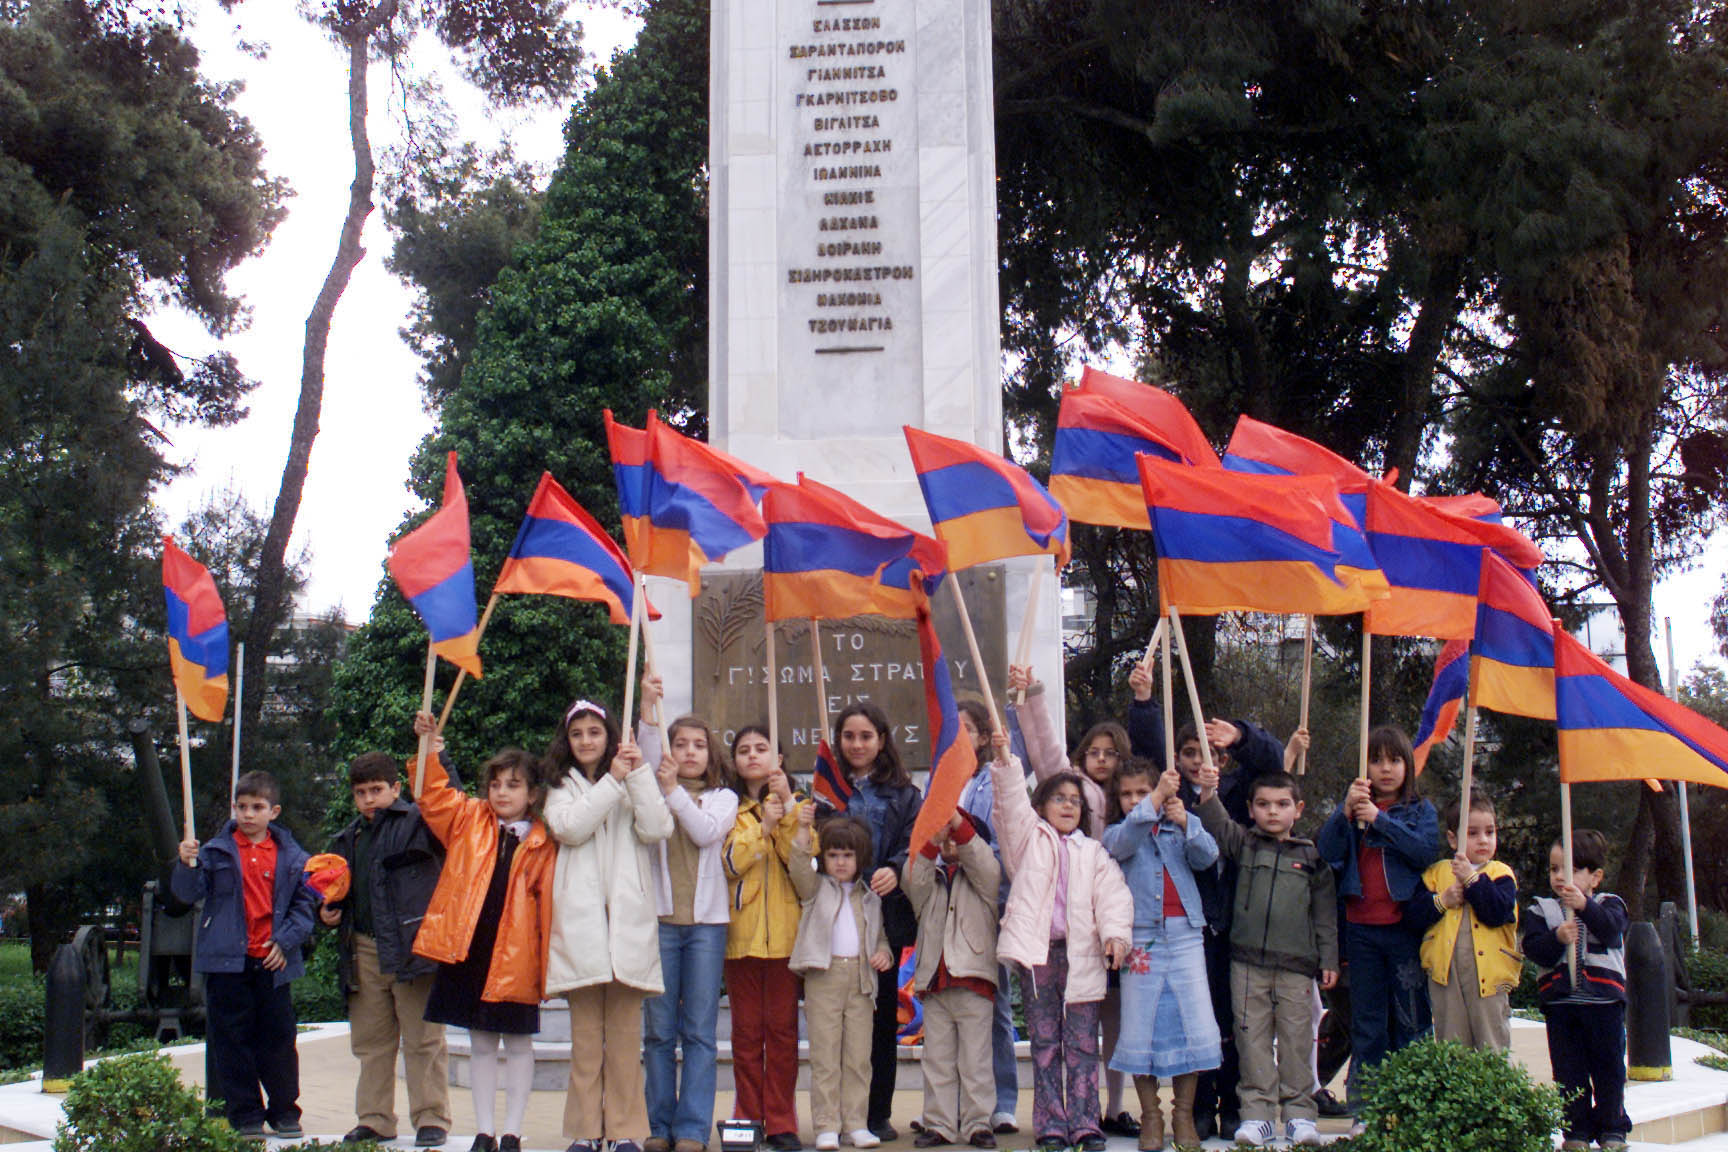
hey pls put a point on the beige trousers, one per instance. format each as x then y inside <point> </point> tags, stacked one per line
<point>838,1019</point>
<point>386,1014</point>
<point>957,1064</point>
<point>1461,1012</point>
<point>1274,1043</point>
<point>605,1099</point>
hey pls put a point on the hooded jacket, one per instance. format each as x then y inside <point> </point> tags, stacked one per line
<point>759,890</point>
<point>469,831</point>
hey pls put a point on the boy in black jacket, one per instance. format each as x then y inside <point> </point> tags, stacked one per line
<point>393,864</point>
<point>1587,1019</point>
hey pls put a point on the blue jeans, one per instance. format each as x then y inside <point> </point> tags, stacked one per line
<point>692,958</point>
<point>1388,995</point>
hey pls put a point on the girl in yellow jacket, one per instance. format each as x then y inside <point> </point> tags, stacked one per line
<point>763,988</point>
<point>1470,951</point>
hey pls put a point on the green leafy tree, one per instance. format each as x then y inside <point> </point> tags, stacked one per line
<point>605,308</point>
<point>125,178</point>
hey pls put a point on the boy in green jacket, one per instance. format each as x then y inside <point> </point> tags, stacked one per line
<point>1283,935</point>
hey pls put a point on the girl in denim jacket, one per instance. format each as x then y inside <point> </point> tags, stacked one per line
<point>1379,842</point>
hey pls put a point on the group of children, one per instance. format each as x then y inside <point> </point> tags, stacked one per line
<point>1174,911</point>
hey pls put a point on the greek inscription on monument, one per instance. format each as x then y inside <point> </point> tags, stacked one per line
<point>865,658</point>
<point>846,86</point>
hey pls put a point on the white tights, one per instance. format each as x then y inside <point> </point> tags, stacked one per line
<point>518,1079</point>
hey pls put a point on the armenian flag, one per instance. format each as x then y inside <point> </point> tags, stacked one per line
<point>700,504</point>
<point>1232,542</point>
<point>1614,729</point>
<point>983,507</point>
<point>1514,646</point>
<point>432,567</point>
<point>629,450</point>
<point>1432,559</point>
<point>197,633</point>
<point>1440,711</point>
<point>828,557</point>
<point>1263,449</point>
<point>561,550</point>
<point>827,783</point>
<point>952,760</point>
<point>1157,409</point>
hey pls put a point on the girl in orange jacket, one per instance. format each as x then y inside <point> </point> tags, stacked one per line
<point>488,924</point>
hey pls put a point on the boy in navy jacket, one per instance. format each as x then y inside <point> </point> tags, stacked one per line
<point>257,913</point>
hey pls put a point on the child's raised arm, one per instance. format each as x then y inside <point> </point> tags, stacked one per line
<point>1043,749</point>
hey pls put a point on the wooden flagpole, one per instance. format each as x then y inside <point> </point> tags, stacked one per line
<point>1367,680</point>
<point>1307,685</point>
<point>977,660</point>
<point>1161,638</point>
<point>1566,850</point>
<point>821,678</point>
<point>1193,689</point>
<point>185,764</point>
<point>773,686</point>
<point>1468,778</point>
<point>462,673</point>
<point>627,728</point>
<point>1027,622</point>
<point>1153,645</point>
<point>649,668</point>
<point>239,699</point>
<point>425,706</point>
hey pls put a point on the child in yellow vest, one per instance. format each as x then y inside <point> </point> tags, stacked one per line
<point>1470,951</point>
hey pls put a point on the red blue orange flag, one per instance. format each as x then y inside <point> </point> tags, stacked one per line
<point>828,557</point>
<point>1440,711</point>
<point>827,783</point>
<point>952,760</point>
<point>1228,541</point>
<point>1432,560</point>
<point>1266,450</point>
<point>1092,470</point>
<point>1614,729</point>
<point>701,504</point>
<point>1513,649</point>
<point>1156,408</point>
<point>431,566</point>
<point>629,450</point>
<point>983,507</point>
<point>197,633</point>
<point>561,550</point>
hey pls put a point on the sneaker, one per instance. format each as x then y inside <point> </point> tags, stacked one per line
<point>287,1129</point>
<point>930,1138</point>
<point>1004,1123</point>
<point>866,1138</point>
<point>509,1142</point>
<point>1302,1131</point>
<point>361,1133</point>
<point>785,1142</point>
<point>983,1138</point>
<point>827,1142</point>
<point>1254,1133</point>
<point>430,1136</point>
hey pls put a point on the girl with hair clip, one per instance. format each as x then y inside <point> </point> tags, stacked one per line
<point>763,988</point>
<point>487,925</point>
<point>1069,920</point>
<point>885,800</point>
<point>607,812</point>
<point>1379,842</point>
<point>690,897</point>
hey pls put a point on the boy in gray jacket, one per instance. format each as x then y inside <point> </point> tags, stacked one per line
<point>839,949</point>
<point>952,884</point>
<point>1283,934</point>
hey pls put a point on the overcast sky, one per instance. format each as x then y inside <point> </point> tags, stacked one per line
<point>356,494</point>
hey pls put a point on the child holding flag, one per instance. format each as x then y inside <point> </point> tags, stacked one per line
<point>759,980</point>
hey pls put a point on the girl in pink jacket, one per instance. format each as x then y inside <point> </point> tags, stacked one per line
<point>1069,918</point>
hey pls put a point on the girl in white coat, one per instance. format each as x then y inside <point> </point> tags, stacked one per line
<point>608,813</point>
<point>690,897</point>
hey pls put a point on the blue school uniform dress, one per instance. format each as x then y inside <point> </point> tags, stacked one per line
<point>1168,1028</point>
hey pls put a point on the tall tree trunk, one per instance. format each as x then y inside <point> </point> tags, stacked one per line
<point>1427,343</point>
<point>269,609</point>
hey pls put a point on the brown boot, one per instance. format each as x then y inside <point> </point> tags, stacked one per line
<point>1151,1115</point>
<point>1182,1110</point>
